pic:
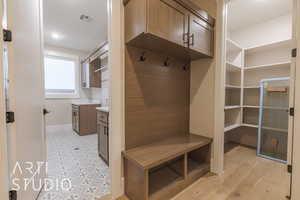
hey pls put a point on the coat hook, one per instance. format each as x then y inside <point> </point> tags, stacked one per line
<point>185,67</point>
<point>142,57</point>
<point>167,62</point>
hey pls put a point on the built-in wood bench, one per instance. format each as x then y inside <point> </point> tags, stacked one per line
<point>162,169</point>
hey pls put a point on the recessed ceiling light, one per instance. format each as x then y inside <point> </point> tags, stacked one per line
<point>56,36</point>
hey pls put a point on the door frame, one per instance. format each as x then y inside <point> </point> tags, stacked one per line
<point>296,136</point>
<point>4,181</point>
<point>218,148</point>
<point>117,95</point>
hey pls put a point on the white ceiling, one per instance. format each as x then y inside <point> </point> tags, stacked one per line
<point>62,18</point>
<point>243,13</point>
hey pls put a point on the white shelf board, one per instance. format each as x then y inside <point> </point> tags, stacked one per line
<point>269,46</point>
<point>232,67</point>
<point>252,87</point>
<point>267,107</point>
<point>250,125</point>
<point>272,65</point>
<point>232,46</point>
<point>232,107</point>
<point>250,106</point>
<point>231,127</point>
<point>276,129</point>
<point>233,86</point>
<point>266,128</point>
<point>276,108</point>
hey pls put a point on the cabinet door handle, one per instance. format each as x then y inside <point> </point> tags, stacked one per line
<point>192,39</point>
<point>185,38</point>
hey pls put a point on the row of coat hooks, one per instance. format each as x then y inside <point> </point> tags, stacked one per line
<point>165,64</point>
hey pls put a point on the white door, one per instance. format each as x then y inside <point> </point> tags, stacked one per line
<point>26,140</point>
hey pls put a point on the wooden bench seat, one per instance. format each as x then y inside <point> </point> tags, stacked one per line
<point>154,154</point>
<point>162,169</point>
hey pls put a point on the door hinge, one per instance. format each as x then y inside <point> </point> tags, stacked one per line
<point>290,169</point>
<point>7,35</point>
<point>294,53</point>
<point>10,117</point>
<point>292,112</point>
<point>13,195</point>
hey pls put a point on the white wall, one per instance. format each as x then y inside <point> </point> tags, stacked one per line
<point>270,31</point>
<point>61,108</point>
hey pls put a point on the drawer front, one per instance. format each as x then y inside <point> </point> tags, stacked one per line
<point>102,117</point>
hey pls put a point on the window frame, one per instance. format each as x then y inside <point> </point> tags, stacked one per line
<point>68,57</point>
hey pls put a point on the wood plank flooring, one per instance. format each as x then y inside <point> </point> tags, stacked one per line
<point>246,177</point>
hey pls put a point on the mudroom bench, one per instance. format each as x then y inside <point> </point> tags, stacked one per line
<point>162,169</point>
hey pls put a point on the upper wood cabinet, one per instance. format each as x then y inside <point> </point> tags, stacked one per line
<point>168,20</point>
<point>174,27</point>
<point>201,36</point>
<point>91,68</point>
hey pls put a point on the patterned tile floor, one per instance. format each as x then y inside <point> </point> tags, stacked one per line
<point>75,158</point>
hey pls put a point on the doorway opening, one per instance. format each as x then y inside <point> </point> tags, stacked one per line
<point>258,94</point>
<point>76,98</point>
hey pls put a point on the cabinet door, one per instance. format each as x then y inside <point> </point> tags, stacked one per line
<point>85,75</point>
<point>201,36</point>
<point>95,73</point>
<point>77,121</point>
<point>103,142</point>
<point>168,20</point>
<point>75,118</point>
<point>99,140</point>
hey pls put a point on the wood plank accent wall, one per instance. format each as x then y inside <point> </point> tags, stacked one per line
<point>156,97</point>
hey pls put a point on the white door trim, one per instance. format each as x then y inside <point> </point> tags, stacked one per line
<point>4,182</point>
<point>296,139</point>
<point>117,101</point>
<point>218,142</point>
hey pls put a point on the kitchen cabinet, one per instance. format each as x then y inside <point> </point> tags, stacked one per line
<point>103,135</point>
<point>173,27</point>
<point>75,118</point>
<point>92,66</point>
<point>84,119</point>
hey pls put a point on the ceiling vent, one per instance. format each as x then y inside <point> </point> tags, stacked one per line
<point>85,18</point>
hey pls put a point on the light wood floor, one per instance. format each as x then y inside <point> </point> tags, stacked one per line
<point>246,177</point>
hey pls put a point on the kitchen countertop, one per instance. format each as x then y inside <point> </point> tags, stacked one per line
<point>85,102</point>
<point>103,109</point>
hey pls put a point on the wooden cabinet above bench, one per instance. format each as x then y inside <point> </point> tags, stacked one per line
<point>174,27</point>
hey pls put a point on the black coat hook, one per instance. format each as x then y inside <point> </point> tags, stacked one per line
<point>185,67</point>
<point>167,62</point>
<point>142,57</point>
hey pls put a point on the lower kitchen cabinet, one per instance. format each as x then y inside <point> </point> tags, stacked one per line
<point>103,135</point>
<point>84,119</point>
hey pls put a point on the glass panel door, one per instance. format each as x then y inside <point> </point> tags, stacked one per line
<point>273,119</point>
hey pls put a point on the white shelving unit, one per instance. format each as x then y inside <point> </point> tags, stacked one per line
<point>233,101</point>
<point>244,70</point>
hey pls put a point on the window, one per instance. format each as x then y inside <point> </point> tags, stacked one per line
<point>61,77</point>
